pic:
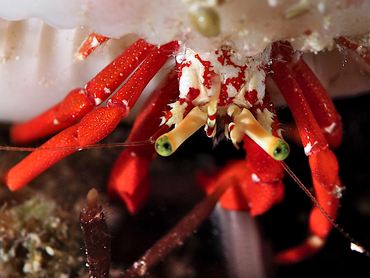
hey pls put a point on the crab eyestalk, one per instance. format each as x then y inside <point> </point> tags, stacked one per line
<point>245,123</point>
<point>168,143</point>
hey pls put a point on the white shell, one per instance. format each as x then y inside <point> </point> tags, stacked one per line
<point>250,25</point>
<point>37,64</point>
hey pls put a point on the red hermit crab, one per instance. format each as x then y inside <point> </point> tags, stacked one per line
<point>219,82</point>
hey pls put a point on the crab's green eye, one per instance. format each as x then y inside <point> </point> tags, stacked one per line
<point>206,20</point>
<point>281,150</point>
<point>168,143</point>
<point>163,146</point>
<point>245,123</point>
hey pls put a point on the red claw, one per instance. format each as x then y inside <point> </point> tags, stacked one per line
<point>129,180</point>
<point>259,180</point>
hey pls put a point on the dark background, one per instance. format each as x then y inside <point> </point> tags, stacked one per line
<point>174,193</point>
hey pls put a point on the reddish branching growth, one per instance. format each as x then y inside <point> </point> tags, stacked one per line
<point>97,237</point>
<point>178,234</point>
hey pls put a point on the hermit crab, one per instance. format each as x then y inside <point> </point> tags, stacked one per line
<point>225,60</point>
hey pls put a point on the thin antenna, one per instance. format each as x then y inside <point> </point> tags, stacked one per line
<point>355,246</point>
<point>95,146</point>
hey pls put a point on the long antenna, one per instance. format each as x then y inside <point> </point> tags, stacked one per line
<point>95,146</point>
<point>355,245</point>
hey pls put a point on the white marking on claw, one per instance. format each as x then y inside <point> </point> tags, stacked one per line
<point>307,148</point>
<point>255,178</point>
<point>107,91</point>
<point>125,103</point>
<point>98,101</point>
<point>329,129</point>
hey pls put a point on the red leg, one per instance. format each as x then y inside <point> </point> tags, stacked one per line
<point>320,103</point>
<point>323,163</point>
<point>97,124</point>
<point>80,101</point>
<point>129,179</point>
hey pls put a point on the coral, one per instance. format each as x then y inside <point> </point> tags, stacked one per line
<point>37,238</point>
